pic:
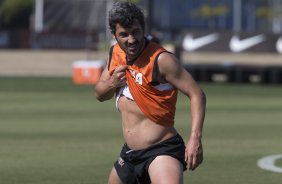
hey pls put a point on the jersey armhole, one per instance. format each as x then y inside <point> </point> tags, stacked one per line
<point>110,56</point>
<point>155,74</point>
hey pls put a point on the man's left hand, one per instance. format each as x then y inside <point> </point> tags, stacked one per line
<point>194,153</point>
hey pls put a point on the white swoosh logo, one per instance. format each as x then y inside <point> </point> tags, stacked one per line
<point>191,44</point>
<point>279,45</point>
<point>237,45</point>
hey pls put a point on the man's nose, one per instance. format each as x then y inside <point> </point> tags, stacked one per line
<point>131,39</point>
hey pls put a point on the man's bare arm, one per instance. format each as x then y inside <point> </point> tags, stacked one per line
<point>108,83</point>
<point>174,73</point>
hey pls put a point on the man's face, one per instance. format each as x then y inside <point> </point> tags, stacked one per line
<point>130,40</point>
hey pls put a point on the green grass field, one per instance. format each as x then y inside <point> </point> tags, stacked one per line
<point>53,132</point>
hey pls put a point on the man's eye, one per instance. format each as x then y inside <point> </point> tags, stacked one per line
<point>123,35</point>
<point>136,32</point>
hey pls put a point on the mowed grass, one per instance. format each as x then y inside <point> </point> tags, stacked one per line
<point>54,132</point>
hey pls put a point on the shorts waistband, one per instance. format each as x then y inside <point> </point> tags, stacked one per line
<point>177,136</point>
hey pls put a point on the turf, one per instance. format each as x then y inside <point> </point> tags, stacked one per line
<point>54,132</point>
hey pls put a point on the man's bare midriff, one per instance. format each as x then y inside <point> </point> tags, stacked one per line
<point>140,132</point>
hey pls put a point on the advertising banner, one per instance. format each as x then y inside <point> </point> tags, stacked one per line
<point>231,42</point>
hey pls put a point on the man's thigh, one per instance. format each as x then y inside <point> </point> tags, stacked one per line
<point>166,170</point>
<point>114,178</point>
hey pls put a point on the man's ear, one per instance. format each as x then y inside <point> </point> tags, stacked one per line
<point>113,36</point>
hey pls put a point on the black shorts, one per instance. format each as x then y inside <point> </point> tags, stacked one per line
<point>132,166</point>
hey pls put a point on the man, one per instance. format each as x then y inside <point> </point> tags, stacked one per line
<point>145,78</point>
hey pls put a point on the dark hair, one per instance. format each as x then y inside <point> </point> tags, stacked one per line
<point>124,13</point>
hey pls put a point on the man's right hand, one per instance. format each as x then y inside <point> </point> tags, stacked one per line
<point>118,78</point>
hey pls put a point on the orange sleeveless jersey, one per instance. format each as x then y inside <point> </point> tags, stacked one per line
<point>158,106</point>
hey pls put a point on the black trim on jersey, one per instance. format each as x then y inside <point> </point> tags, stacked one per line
<point>156,72</point>
<point>110,56</point>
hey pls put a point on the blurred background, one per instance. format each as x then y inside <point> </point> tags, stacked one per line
<point>52,52</point>
<point>218,40</point>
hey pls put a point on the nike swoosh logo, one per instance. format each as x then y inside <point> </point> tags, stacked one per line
<point>191,44</point>
<point>237,45</point>
<point>279,45</point>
